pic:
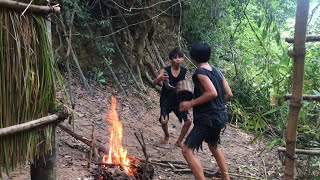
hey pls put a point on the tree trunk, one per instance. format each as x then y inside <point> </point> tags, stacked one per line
<point>297,87</point>
<point>140,47</point>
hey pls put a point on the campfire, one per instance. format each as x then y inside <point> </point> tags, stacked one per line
<point>117,164</point>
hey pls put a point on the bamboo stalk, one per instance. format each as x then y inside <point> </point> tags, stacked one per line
<point>302,151</point>
<point>75,59</point>
<point>307,97</point>
<point>308,39</point>
<point>30,125</point>
<point>115,43</point>
<point>297,87</point>
<point>19,6</point>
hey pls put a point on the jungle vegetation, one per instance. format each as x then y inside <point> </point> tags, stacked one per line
<point>248,42</point>
<point>247,38</point>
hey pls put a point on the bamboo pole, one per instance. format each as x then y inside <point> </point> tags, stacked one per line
<point>19,6</point>
<point>302,151</point>
<point>307,97</point>
<point>308,39</point>
<point>297,87</point>
<point>29,125</point>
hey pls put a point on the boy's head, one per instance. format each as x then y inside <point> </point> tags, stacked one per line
<point>175,53</point>
<point>200,52</point>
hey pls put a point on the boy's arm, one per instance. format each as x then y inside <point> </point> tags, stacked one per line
<point>209,93</point>
<point>158,80</point>
<point>227,90</point>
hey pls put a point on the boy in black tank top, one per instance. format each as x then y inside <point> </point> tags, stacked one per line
<point>211,91</point>
<point>168,78</point>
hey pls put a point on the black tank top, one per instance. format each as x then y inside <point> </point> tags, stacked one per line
<point>170,94</point>
<point>173,80</point>
<point>212,113</point>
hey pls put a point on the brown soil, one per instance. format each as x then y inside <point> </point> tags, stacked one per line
<point>141,114</point>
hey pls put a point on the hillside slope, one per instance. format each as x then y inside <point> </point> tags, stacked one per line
<point>140,113</point>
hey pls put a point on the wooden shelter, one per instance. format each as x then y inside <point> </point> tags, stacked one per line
<point>27,88</point>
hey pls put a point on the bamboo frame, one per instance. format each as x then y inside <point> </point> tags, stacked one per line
<point>306,97</point>
<point>308,39</point>
<point>302,151</point>
<point>19,6</point>
<point>31,124</point>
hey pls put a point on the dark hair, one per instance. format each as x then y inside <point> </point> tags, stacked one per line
<point>176,52</point>
<point>200,52</point>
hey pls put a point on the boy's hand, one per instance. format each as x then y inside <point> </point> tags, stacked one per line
<point>185,105</point>
<point>164,77</point>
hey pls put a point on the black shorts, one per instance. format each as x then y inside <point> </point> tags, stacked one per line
<point>200,133</point>
<point>181,115</point>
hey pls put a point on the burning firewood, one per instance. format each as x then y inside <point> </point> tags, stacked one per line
<point>117,164</point>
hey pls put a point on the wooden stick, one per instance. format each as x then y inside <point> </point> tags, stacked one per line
<point>307,97</point>
<point>30,7</point>
<point>302,151</point>
<point>31,124</point>
<point>182,168</point>
<point>172,162</point>
<point>92,145</point>
<point>187,170</point>
<point>113,165</point>
<point>244,176</point>
<point>308,39</point>
<point>106,164</point>
<point>84,139</point>
<point>144,149</point>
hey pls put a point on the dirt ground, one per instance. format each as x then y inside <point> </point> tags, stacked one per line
<point>140,113</point>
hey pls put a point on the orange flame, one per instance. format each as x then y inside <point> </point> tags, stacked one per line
<point>117,155</point>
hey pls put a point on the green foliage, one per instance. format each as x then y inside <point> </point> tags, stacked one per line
<point>99,76</point>
<point>58,60</point>
<point>104,46</point>
<point>248,45</point>
<point>89,26</point>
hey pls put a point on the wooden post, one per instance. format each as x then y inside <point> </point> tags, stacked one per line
<point>298,73</point>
